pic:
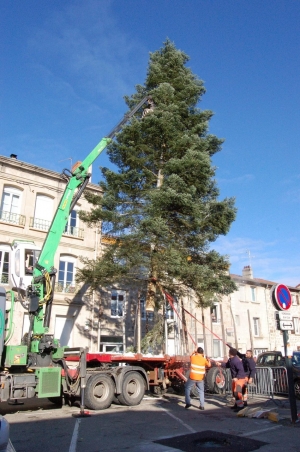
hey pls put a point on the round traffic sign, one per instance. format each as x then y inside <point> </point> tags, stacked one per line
<point>281,297</point>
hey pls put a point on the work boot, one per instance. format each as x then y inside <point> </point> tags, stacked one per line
<point>187,406</point>
<point>201,407</point>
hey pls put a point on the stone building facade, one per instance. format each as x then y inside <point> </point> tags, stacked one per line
<point>245,319</point>
<point>112,319</point>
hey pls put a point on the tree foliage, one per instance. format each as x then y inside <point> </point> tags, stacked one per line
<point>162,207</point>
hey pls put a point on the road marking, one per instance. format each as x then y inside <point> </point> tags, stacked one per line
<point>10,447</point>
<point>257,432</point>
<point>179,420</point>
<point>74,436</point>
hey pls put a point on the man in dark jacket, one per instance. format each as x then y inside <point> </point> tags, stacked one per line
<point>238,377</point>
<point>250,369</point>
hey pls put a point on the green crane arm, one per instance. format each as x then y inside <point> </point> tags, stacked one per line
<point>42,289</point>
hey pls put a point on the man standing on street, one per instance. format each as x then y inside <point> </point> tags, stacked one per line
<point>250,369</point>
<point>197,374</point>
<point>238,378</point>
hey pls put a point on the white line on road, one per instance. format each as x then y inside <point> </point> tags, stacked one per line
<point>257,432</point>
<point>74,436</point>
<point>10,447</point>
<point>179,420</point>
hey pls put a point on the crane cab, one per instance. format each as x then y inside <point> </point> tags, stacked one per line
<point>24,256</point>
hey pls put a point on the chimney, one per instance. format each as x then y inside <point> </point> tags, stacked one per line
<point>13,156</point>
<point>247,272</point>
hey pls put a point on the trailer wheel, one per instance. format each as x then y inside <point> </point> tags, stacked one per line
<point>99,392</point>
<point>133,389</point>
<point>216,380</point>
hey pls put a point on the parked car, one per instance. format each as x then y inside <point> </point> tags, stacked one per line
<point>276,359</point>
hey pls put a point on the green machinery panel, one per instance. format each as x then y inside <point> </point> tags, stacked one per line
<point>15,355</point>
<point>49,381</point>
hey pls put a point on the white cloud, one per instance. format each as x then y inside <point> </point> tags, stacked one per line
<point>267,259</point>
<point>84,46</point>
<point>236,180</point>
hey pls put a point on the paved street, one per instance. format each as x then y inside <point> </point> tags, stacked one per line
<point>40,426</point>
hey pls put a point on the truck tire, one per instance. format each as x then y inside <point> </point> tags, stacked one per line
<point>216,380</point>
<point>99,392</point>
<point>133,389</point>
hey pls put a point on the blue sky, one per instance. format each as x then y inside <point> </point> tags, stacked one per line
<point>66,66</point>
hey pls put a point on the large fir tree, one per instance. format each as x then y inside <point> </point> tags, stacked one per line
<point>162,206</point>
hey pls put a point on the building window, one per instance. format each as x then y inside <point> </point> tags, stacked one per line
<point>72,225</point>
<point>4,264</point>
<point>216,348</point>
<point>143,308</point>
<point>242,293</point>
<point>66,274</point>
<point>72,222</point>
<point>253,293</point>
<point>10,205</point>
<point>117,303</point>
<point>214,312</point>
<point>295,300</point>
<point>169,311</point>
<point>256,331</point>
<point>296,325</point>
<point>43,212</point>
<point>237,320</point>
<point>111,344</point>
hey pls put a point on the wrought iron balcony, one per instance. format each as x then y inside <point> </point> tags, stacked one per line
<point>68,288</point>
<point>4,278</point>
<point>74,232</point>
<point>44,225</point>
<point>39,223</point>
<point>13,218</point>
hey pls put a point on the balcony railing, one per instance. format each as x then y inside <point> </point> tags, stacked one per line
<point>13,218</point>
<point>74,232</point>
<point>39,223</point>
<point>4,278</point>
<point>68,288</point>
<point>44,225</point>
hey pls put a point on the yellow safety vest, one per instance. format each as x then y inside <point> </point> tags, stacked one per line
<point>198,364</point>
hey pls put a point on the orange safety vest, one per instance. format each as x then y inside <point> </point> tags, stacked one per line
<point>198,364</point>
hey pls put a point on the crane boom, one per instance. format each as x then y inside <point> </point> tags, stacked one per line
<point>41,291</point>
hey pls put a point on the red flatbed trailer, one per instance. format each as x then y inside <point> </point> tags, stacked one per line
<point>162,371</point>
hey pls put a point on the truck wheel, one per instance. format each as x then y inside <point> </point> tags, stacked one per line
<point>133,389</point>
<point>99,392</point>
<point>297,389</point>
<point>215,380</point>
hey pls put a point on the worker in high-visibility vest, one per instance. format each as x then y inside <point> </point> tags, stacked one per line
<point>197,374</point>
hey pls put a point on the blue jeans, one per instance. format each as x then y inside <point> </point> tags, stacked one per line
<point>200,389</point>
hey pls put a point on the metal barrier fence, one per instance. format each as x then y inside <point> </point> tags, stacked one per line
<point>267,382</point>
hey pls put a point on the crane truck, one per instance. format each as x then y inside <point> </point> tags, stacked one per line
<point>39,366</point>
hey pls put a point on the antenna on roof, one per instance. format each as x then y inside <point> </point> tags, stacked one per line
<point>250,257</point>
